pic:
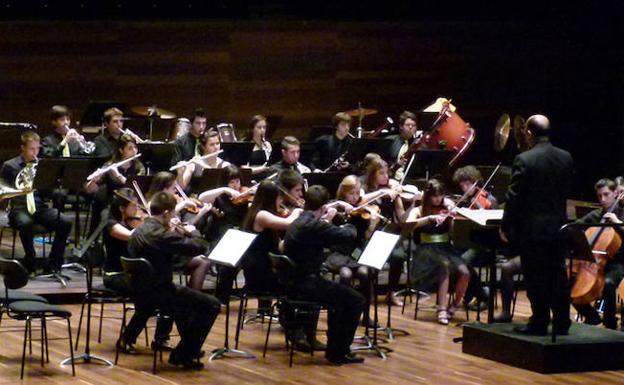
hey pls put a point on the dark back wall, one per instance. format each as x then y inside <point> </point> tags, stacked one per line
<point>308,70</point>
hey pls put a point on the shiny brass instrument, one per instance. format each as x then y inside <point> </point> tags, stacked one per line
<point>85,145</point>
<point>26,177</point>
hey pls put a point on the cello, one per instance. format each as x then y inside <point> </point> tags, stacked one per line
<point>604,243</point>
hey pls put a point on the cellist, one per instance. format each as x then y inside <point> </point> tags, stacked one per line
<point>606,192</point>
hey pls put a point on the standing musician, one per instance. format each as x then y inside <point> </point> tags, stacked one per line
<point>291,150</point>
<point>606,191</point>
<point>194,312</point>
<point>52,145</point>
<point>261,151</point>
<point>125,216</point>
<point>331,147</point>
<point>28,210</point>
<point>104,185</point>
<point>304,243</point>
<point>402,141</point>
<point>378,182</point>
<point>209,143</point>
<point>106,144</point>
<point>535,209</point>
<point>187,145</point>
<point>435,261</point>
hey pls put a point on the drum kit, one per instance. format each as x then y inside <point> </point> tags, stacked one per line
<point>152,113</point>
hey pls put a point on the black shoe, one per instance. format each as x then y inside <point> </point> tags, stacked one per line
<point>502,318</point>
<point>161,346</point>
<point>530,330</point>
<point>348,358</point>
<point>125,347</point>
<point>593,319</point>
<point>318,346</point>
<point>187,363</point>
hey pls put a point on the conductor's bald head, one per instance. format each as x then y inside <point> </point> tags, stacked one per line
<point>539,125</point>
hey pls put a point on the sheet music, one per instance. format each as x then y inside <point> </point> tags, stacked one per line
<point>481,216</point>
<point>231,247</point>
<point>378,249</point>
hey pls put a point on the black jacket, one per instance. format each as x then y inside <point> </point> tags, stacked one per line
<point>184,148</point>
<point>51,147</point>
<point>536,198</point>
<point>328,148</point>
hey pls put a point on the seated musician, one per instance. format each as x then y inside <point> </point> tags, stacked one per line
<point>435,262</point>
<point>362,169</point>
<point>158,239</point>
<point>104,185</point>
<point>29,210</point>
<point>469,178</point>
<point>611,212</point>
<point>52,145</point>
<point>304,243</point>
<point>402,141</point>
<point>383,191</point>
<point>209,144</point>
<point>261,151</point>
<point>125,216</point>
<point>292,182</point>
<point>328,148</point>
<point>291,150</point>
<point>106,144</point>
<point>187,145</point>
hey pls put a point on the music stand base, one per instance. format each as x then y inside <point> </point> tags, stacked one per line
<point>62,279</point>
<point>225,351</point>
<point>87,359</point>
<point>74,266</point>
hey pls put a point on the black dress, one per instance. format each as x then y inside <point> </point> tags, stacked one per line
<point>256,264</point>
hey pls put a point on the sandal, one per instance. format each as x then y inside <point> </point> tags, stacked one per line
<point>443,317</point>
<point>452,310</point>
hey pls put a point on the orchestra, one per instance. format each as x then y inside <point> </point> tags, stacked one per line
<point>322,229</point>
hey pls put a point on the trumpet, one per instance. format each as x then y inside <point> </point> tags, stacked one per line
<point>104,170</point>
<point>85,145</point>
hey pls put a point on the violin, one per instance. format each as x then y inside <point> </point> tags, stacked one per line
<point>134,222</point>
<point>246,197</point>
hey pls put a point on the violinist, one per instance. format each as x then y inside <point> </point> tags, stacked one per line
<point>234,211</point>
<point>468,178</point>
<point>401,142</point>
<point>209,143</point>
<point>329,148</point>
<point>383,191</point>
<point>106,144</point>
<point>292,183</point>
<point>261,151</point>
<point>611,212</point>
<point>104,185</point>
<point>52,145</point>
<point>436,263</point>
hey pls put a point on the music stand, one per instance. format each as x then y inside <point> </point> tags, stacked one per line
<point>156,156</point>
<point>359,147</point>
<point>374,256</point>
<point>228,252</point>
<point>320,130</point>
<point>237,153</point>
<point>212,178</point>
<point>93,113</point>
<point>330,180</point>
<point>431,163</point>
<point>276,152</point>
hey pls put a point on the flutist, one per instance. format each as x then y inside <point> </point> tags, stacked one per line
<point>29,209</point>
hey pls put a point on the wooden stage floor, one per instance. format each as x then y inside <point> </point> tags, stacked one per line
<point>427,356</point>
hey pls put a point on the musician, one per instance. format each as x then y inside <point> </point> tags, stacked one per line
<point>29,210</point>
<point>619,182</point>
<point>291,150</point>
<point>435,262</point>
<point>209,144</point>
<point>535,209</point>
<point>104,185</point>
<point>606,191</point>
<point>304,243</point>
<point>328,148</point>
<point>193,311</point>
<point>187,145</point>
<point>292,182</point>
<point>402,141</point>
<point>60,120</point>
<point>106,144</point>
<point>125,216</point>
<point>261,151</point>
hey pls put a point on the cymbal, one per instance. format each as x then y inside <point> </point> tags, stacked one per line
<point>518,123</point>
<point>361,112</point>
<point>153,111</point>
<point>501,133</point>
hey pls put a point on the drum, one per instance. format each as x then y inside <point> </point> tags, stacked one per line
<point>449,132</point>
<point>180,127</point>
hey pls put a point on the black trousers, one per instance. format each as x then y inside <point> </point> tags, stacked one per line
<point>547,283</point>
<point>194,314</point>
<point>346,306</point>
<point>614,272</point>
<point>21,220</point>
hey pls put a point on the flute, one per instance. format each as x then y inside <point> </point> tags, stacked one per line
<point>104,170</point>
<point>186,163</point>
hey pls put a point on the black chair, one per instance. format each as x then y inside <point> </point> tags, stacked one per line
<point>245,295</point>
<point>294,313</point>
<point>140,272</point>
<point>15,277</point>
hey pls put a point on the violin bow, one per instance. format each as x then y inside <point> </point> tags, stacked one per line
<point>489,179</point>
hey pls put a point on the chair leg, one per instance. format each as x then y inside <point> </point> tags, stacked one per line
<point>121,331</point>
<point>416,307</point>
<point>29,336</point>
<point>101,317</point>
<point>239,321</point>
<point>24,347</point>
<point>243,313</point>
<point>266,341</point>
<point>45,324</point>
<point>80,321</point>
<point>71,351</point>
<point>42,342</point>
<point>155,351</point>
<point>13,244</point>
